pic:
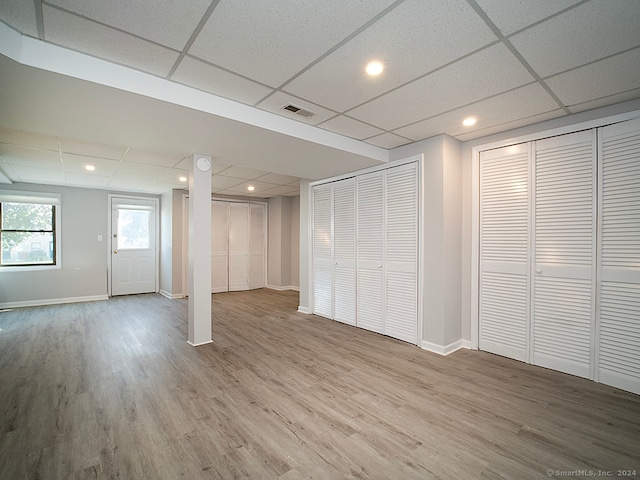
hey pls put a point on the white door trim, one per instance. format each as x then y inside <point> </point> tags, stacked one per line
<point>156,201</point>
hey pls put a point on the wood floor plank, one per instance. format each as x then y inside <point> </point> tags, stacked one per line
<point>112,389</point>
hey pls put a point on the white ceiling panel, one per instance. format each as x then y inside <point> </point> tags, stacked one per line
<point>473,78</point>
<point>151,173</point>
<point>76,164</point>
<point>86,180</point>
<point>281,190</point>
<point>578,37</point>
<point>415,38</point>
<point>21,15</point>
<point>277,179</point>
<point>91,149</point>
<point>219,182</point>
<point>242,187</point>
<point>166,22</point>
<point>518,14</point>
<point>28,139</point>
<point>350,127</point>
<point>30,157</point>
<point>211,79</point>
<point>514,105</point>
<point>594,81</point>
<point>103,42</point>
<point>388,140</point>
<point>39,174</point>
<point>243,172</point>
<point>605,101</point>
<point>153,158</point>
<point>275,102</point>
<point>272,41</point>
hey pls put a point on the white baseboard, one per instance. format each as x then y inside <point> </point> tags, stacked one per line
<point>445,349</point>
<point>198,344</point>
<point>282,289</point>
<point>304,310</point>
<point>171,296</point>
<point>53,301</point>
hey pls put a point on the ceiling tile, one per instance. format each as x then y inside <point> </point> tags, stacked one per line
<point>282,190</point>
<point>518,14</point>
<point>20,15</point>
<point>584,34</point>
<point>242,188</point>
<point>388,140</point>
<point>242,172</point>
<point>350,127</point>
<point>39,175</point>
<point>417,37</point>
<point>218,182</point>
<point>86,180</point>
<point>153,158</point>
<point>595,80</point>
<point>90,149</point>
<point>517,104</point>
<point>76,164</point>
<point>504,127</point>
<point>486,73</point>
<point>277,179</point>
<point>150,173</point>
<point>605,101</point>
<point>31,157</point>
<point>275,102</point>
<point>230,37</point>
<point>28,139</point>
<point>103,42</point>
<point>166,22</point>
<point>195,73</point>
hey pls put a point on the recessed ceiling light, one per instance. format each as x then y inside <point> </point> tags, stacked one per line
<point>251,188</point>
<point>182,179</point>
<point>469,122</point>
<point>374,68</point>
<point>90,168</point>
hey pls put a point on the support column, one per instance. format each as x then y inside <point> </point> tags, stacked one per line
<point>200,250</point>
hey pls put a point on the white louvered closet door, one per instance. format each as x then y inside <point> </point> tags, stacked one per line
<point>256,245</point>
<point>504,243</point>
<point>401,253</point>
<point>344,251</point>
<point>564,239</point>
<point>219,247</point>
<point>619,314</point>
<point>238,246</point>
<point>370,229</point>
<point>322,251</point>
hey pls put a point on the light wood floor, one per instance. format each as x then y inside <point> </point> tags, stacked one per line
<point>112,390</point>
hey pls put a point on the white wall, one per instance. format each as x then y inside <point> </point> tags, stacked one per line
<point>295,242</point>
<point>83,275</point>
<point>283,243</point>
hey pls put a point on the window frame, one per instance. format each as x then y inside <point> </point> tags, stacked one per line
<point>53,199</point>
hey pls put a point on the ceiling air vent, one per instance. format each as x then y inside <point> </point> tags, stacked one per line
<point>298,110</point>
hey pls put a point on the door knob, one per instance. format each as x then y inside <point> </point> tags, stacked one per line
<point>538,270</point>
<point>115,251</point>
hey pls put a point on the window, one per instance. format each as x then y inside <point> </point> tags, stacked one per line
<point>27,222</point>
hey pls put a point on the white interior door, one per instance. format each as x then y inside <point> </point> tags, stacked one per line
<point>219,246</point>
<point>619,314</point>
<point>564,249</point>
<point>344,251</point>
<point>504,251</point>
<point>257,245</point>
<point>370,251</point>
<point>401,253</point>
<point>133,245</point>
<point>238,246</point>
<point>322,251</point>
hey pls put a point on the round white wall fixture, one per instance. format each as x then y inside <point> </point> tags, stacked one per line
<point>203,164</point>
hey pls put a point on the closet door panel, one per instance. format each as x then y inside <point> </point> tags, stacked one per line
<point>219,247</point>
<point>256,246</point>
<point>344,251</point>
<point>401,253</point>
<point>619,316</point>
<point>238,246</point>
<point>504,249</point>
<point>322,251</point>
<point>564,238</point>
<point>370,251</point>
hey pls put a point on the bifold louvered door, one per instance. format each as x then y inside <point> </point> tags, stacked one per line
<point>564,240</point>
<point>619,314</point>
<point>401,253</point>
<point>219,247</point>
<point>504,264</point>
<point>238,246</point>
<point>323,251</point>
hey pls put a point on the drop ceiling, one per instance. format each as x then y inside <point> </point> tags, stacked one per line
<point>507,64</point>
